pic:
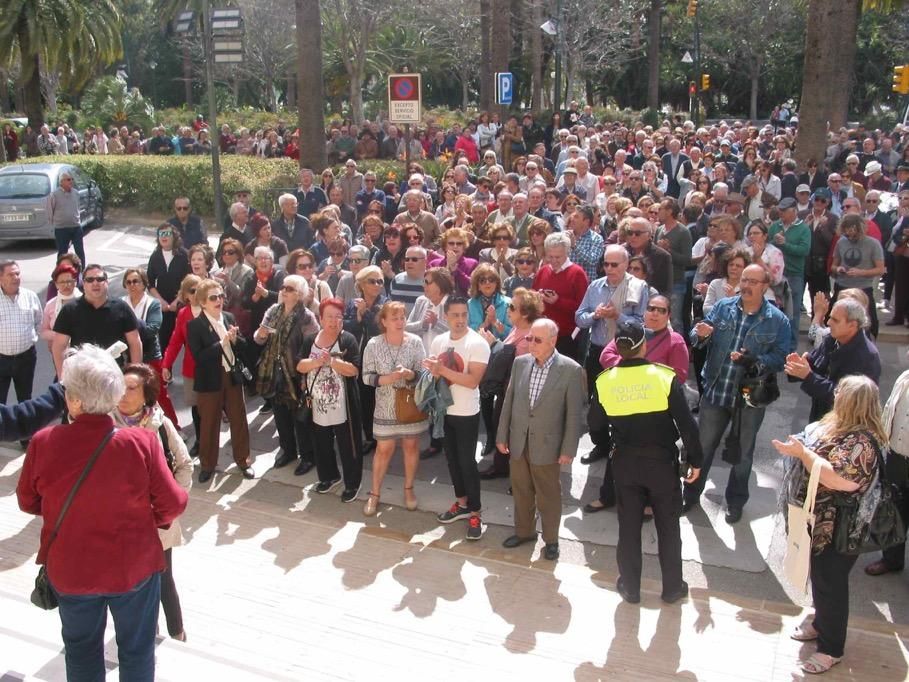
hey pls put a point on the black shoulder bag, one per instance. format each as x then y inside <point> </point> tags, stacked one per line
<point>43,595</point>
<point>885,529</point>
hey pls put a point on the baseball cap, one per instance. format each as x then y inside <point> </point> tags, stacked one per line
<point>748,181</point>
<point>872,167</point>
<point>788,202</point>
<point>629,335</point>
<point>802,188</point>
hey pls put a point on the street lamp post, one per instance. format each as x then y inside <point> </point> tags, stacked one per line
<point>222,42</point>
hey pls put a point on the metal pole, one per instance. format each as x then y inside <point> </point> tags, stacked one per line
<point>697,68</point>
<point>212,114</point>
<point>406,151</point>
<point>557,100</point>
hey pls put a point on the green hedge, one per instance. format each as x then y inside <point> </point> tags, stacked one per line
<point>149,183</point>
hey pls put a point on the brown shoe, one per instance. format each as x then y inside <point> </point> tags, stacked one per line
<point>880,567</point>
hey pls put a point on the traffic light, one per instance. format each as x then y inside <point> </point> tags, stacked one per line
<point>901,79</point>
<point>705,81</point>
<point>692,89</point>
<point>692,7</point>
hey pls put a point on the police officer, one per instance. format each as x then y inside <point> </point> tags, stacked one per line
<point>646,407</point>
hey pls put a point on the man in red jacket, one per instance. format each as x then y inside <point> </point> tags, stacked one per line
<point>562,285</point>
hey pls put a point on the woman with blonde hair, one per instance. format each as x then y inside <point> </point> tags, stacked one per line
<point>848,442</point>
<point>455,241</point>
<point>391,364</point>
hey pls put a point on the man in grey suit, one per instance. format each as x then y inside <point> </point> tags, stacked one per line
<point>540,428</point>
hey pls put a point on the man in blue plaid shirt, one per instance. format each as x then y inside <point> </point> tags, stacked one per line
<point>742,333</point>
<point>588,246</point>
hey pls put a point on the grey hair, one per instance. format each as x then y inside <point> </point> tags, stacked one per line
<point>414,193</point>
<point>298,283</point>
<point>358,250</point>
<point>285,198</point>
<point>547,324</point>
<point>263,251</point>
<point>92,376</point>
<point>235,208</point>
<point>617,250</point>
<point>556,240</point>
<point>855,311</point>
<point>416,249</point>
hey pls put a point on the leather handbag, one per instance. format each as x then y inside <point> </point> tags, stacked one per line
<point>406,410</point>
<point>851,536</point>
<point>43,595</point>
<point>800,524</point>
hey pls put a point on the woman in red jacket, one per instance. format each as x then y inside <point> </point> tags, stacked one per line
<point>178,342</point>
<point>107,554</point>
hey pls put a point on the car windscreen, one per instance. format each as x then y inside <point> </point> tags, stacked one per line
<point>24,186</point>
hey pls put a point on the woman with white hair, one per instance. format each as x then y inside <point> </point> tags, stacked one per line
<point>358,257</point>
<point>107,554</point>
<point>260,293</point>
<point>281,334</point>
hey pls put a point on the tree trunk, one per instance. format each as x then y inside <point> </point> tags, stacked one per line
<point>654,18</point>
<point>501,46</point>
<point>5,105</point>
<point>290,98</point>
<point>187,75</point>
<point>465,90</point>
<point>356,95</point>
<point>824,40</point>
<point>486,85</point>
<point>844,76</point>
<point>30,79</point>
<point>309,74</point>
<point>536,54</point>
<point>755,82</point>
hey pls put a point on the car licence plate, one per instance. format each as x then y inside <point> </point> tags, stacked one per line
<point>15,217</point>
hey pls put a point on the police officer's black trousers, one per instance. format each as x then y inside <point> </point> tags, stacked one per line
<point>639,481</point>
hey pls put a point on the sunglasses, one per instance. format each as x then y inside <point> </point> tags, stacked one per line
<point>501,238</point>
<point>609,264</point>
<point>455,243</point>
<point>165,233</point>
<point>229,252</point>
<point>524,261</point>
<point>511,307</point>
<point>93,280</point>
<point>376,282</point>
<point>355,260</point>
<point>637,233</point>
<point>392,234</point>
<point>571,203</point>
<point>304,266</point>
<point>215,297</point>
<point>181,208</point>
<point>289,290</point>
<point>530,338</point>
<point>413,238</point>
<point>131,282</point>
<point>488,280</point>
<point>192,291</point>
<point>413,259</point>
<point>657,309</point>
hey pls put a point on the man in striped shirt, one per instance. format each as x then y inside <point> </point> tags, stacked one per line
<point>407,286</point>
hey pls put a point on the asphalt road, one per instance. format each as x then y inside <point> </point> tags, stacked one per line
<point>127,241</point>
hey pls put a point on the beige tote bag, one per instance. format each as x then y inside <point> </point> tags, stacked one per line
<point>797,562</point>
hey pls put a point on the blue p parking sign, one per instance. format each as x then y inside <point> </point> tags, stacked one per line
<point>504,87</point>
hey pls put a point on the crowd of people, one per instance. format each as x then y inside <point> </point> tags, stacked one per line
<point>547,269</point>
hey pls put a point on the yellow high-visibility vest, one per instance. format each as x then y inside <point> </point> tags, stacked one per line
<point>624,391</point>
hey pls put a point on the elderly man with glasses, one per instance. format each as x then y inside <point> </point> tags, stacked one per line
<point>189,225</point>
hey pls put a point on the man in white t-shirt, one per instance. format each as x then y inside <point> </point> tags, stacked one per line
<point>460,357</point>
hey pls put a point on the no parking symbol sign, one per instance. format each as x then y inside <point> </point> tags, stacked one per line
<point>404,98</point>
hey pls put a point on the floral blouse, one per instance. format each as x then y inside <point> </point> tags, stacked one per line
<point>854,457</point>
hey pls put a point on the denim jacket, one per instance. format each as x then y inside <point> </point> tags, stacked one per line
<point>768,339</point>
<point>434,398</point>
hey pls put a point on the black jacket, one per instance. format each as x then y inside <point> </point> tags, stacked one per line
<point>207,351</point>
<point>830,362</point>
<point>192,233</point>
<point>164,278</point>
<point>303,235</point>
<point>258,308</point>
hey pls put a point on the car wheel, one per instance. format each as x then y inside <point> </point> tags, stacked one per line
<point>99,216</point>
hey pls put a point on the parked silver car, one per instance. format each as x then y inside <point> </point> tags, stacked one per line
<point>23,199</point>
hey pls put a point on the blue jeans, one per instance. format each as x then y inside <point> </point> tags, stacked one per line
<point>712,424</point>
<point>135,613</point>
<point>64,235</point>
<point>797,286</point>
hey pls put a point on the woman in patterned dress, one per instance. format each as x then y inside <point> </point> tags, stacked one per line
<point>392,360</point>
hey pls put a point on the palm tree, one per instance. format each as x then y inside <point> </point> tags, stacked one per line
<point>72,37</point>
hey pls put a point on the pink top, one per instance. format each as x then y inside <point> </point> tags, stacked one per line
<point>516,338</point>
<point>666,347</point>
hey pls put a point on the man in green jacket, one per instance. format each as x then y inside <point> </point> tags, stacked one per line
<point>793,237</point>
